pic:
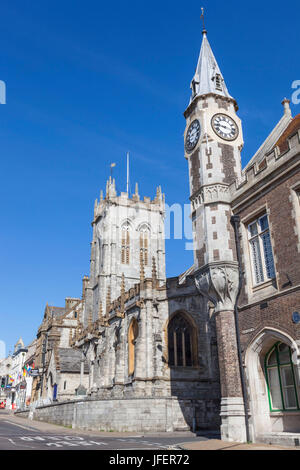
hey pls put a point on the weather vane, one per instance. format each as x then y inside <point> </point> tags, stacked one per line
<point>202,17</point>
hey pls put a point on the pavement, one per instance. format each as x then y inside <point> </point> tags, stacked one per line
<point>19,433</point>
<point>217,444</point>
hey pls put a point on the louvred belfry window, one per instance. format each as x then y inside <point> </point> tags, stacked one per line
<point>125,249</point>
<point>144,245</point>
<point>218,82</point>
<point>261,250</point>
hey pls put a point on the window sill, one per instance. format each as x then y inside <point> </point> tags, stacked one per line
<point>263,285</point>
<point>283,413</point>
<point>265,289</point>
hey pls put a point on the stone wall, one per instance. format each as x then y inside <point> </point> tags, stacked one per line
<point>140,415</point>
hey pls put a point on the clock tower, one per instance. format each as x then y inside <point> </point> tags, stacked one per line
<point>213,141</point>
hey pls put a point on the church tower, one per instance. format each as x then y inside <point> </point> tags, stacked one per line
<point>128,238</point>
<point>213,142</point>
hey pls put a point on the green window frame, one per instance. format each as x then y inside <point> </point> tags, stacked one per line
<point>283,389</point>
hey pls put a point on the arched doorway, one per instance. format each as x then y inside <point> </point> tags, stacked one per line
<point>273,369</point>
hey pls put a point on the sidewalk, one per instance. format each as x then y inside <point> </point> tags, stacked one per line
<point>217,444</point>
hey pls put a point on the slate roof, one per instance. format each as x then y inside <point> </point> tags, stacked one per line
<point>270,141</point>
<point>69,360</point>
<point>56,311</point>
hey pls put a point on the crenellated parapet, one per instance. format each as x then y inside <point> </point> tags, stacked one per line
<point>126,200</point>
<point>281,148</point>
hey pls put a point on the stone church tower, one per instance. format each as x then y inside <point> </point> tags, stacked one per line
<point>128,235</point>
<point>213,141</point>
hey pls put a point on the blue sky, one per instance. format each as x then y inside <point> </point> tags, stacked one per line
<point>87,82</point>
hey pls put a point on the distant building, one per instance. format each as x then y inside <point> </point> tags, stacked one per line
<point>58,365</point>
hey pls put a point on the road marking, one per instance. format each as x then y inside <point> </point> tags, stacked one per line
<point>20,426</point>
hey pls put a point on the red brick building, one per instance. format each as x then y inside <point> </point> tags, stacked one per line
<point>268,204</point>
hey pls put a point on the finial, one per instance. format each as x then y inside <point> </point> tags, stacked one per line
<point>112,165</point>
<point>202,17</point>
<point>286,106</point>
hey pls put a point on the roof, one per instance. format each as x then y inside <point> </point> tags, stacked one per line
<point>292,128</point>
<point>272,139</point>
<point>205,79</point>
<point>70,359</point>
<point>182,277</point>
<point>56,311</point>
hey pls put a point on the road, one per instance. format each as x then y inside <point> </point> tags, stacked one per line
<point>23,434</point>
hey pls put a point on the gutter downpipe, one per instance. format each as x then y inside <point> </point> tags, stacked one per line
<point>235,220</point>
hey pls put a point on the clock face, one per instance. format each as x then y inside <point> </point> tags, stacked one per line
<point>225,127</point>
<point>192,135</point>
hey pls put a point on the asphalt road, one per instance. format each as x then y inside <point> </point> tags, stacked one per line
<point>22,434</point>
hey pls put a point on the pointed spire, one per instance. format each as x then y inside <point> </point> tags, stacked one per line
<point>111,188</point>
<point>136,195</point>
<point>158,196</point>
<point>208,77</point>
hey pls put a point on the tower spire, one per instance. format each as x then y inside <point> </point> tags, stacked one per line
<point>208,77</point>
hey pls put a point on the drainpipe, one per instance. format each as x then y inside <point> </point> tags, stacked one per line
<point>235,220</point>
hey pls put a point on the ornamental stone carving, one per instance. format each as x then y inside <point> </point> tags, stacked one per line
<point>219,282</point>
<point>211,193</point>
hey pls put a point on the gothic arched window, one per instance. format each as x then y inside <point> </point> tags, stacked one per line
<point>125,247</point>
<point>144,245</point>
<point>181,342</point>
<point>281,378</point>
